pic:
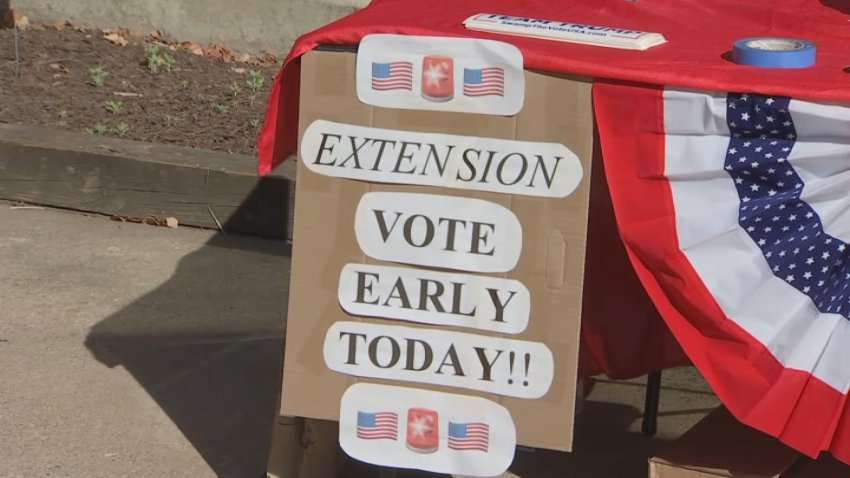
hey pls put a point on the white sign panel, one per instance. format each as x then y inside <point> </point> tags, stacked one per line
<point>442,231</point>
<point>425,430</point>
<point>496,365</point>
<point>432,297</point>
<point>440,73</point>
<point>462,162</point>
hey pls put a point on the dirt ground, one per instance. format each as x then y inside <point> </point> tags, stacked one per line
<point>202,102</point>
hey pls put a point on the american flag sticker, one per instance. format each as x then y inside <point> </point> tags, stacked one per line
<point>488,81</point>
<point>397,75</point>
<point>376,426</point>
<point>469,436</point>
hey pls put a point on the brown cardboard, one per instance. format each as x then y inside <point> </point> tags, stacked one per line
<point>720,446</point>
<point>285,450</point>
<point>557,109</point>
<point>303,449</point>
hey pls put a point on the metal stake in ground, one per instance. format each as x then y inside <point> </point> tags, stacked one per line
<point>7,19</point>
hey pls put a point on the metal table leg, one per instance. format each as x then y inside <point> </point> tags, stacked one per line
<point>650,407</point>
<point>17,61</point>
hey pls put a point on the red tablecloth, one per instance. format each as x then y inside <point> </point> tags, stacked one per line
<point>700,34</point>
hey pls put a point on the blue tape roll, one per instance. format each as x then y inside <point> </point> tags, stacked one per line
<point>770,52</point>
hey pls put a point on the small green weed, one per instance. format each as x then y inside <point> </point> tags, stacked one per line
<point>114,107</point>
<point>256,123</point>
<point>235,89</point>
<point>184,84</point>
<point>98,129</point>
<point>158,59</point>
<point>169,120</point>
<point>122,129</point>
<point>62,114</point>
<point>97,76</point>
<point>255,80</point>
<point>255,83</point>
<point>222,108</point>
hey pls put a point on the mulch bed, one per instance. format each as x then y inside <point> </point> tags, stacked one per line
<point>202,102</point>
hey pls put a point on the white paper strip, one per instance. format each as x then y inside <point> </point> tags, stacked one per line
<point>441,231</point>
<point>611,37</point>
<point>462,162</point>
<point>431,297</point>
<point>440,73</point>
<point>420,429</point>
<point>496,365</point>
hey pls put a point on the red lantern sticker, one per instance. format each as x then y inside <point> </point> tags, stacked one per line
<point>423,433</point>
<point>438,78</point>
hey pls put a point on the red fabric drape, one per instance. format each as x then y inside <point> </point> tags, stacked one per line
<point>622,334</point>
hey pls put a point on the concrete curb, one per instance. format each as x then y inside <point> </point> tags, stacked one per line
<point>136,179</point>
<point>249,27</point>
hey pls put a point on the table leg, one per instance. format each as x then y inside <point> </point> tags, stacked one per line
<point>650,407</point>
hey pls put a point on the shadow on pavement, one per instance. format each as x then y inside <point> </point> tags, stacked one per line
<point>207,346</point>
<point>603,446</point>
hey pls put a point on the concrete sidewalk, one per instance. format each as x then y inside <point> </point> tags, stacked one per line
<point>133,350</point>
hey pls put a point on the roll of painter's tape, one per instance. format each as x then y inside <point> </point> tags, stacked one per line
<point>767,52</point>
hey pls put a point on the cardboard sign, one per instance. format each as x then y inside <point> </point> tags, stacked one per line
<point>440,73</point>
<point>531,168</point>
<point>425,430</point>
<point>356,271</point>
<point>432,297</point>
<point>477,362</point>
<point>440,231</point>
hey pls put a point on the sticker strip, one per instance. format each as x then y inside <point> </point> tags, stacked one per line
<point>420,429</point>
<point>467,75</point>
